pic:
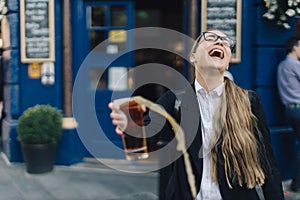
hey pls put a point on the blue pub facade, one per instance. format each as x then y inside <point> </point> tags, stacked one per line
<point>38,75</point>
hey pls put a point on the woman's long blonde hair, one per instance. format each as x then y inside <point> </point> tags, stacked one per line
<point>236,126</point>
<point>238,138</point>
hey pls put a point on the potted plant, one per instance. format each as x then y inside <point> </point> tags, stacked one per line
<point>39,129</point>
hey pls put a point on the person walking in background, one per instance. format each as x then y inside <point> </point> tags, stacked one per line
<point>231,152</point>
<point>288,82</point>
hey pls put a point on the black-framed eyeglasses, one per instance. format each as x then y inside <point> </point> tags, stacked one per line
<point>212,37</point>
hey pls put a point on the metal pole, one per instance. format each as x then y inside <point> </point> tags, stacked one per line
<point>193,18</point>
<point>67,62</point>
<point>193,30</point>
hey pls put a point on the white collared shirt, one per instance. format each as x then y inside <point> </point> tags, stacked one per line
<point>208,104</point>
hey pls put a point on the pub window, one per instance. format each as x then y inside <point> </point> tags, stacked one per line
<point>116,78</point>
<point>98,78</point>
<point>97,16</point>
<point>96,37</point>
<point>118,16</point>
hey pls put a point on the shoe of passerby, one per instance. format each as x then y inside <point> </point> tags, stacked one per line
<point>294,187</point>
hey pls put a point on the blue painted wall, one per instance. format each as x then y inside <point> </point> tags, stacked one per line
<point>28,92</point>
<point>21,92</point>
<point>262,49</point>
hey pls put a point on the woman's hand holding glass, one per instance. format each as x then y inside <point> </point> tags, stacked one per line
<point>119,119</point>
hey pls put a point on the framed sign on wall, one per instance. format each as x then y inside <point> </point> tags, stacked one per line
<point>225,16</point>
<point>37,31</point>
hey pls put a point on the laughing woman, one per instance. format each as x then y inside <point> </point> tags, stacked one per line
<point>233,138</point>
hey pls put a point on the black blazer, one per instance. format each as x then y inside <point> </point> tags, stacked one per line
<point>174,184</point>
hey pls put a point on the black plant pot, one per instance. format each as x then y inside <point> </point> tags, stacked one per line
<point>39,158</point>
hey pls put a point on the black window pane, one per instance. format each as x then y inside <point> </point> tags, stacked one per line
<point>118,16</point>
<point>98,16</point>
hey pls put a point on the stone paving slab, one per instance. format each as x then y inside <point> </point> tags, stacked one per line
<point>75,183</point>
<point>289,195</point>
<point>86,181</point>
<point>138,196</point>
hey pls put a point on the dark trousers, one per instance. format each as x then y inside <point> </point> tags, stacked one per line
<point>293,116</point>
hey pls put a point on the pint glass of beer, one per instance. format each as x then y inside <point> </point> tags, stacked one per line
<point>134,137</point>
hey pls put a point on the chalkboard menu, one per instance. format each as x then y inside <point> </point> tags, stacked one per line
<point>224,15</point>
<point>37,31</point>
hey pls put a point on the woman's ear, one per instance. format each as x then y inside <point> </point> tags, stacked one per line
<point>192,58</point>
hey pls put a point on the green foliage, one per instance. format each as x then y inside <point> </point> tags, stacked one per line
<point>40,124</point>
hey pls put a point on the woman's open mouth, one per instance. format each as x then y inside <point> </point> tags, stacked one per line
<point>216,53</point>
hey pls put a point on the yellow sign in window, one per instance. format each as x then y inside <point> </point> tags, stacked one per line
<point>117,36</point>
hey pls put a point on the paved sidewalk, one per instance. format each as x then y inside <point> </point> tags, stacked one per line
<point>89,180</point>
<point>289,195</point>
<point>85,181</point>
